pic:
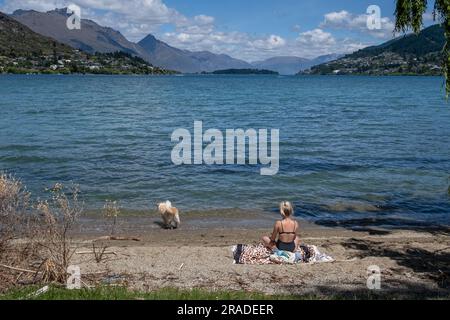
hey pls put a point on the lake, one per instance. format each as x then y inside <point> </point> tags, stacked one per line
<point>351,148</point>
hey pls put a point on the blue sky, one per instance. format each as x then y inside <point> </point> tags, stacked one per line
<point>245,29</point>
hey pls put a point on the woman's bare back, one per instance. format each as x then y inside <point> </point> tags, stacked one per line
<point>287,229</point>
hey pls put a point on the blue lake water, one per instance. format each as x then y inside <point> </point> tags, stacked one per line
<point>350,147</point>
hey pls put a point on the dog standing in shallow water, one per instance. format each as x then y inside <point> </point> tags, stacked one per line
<point>169,214</point>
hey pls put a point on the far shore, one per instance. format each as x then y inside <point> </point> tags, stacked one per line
<point>223,74</point>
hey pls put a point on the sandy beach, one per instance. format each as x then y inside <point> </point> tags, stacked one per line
<point>413,263</point>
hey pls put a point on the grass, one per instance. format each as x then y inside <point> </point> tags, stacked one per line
<point>122,293</point>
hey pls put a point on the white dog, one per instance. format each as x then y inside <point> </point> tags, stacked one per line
<point>169,214</point>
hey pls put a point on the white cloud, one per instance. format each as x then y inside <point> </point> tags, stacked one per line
<point>201,24</point>
<point>308,44</point>
<point>348,21</point>
<point>337,17</point>
<point>136,19</point>
<point>204,20</point>
<point>11,5</point>
<point>318,42</point>
<point>316,37</point>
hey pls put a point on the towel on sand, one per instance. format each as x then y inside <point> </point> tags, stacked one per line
<point>258,254</point>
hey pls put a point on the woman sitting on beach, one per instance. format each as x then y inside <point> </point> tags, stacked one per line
<point>286,230</point>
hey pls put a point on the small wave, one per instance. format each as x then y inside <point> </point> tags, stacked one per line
<point>19,147</point>
<point>352,206</point>
<point>26,159</point>
<point>372,222</point>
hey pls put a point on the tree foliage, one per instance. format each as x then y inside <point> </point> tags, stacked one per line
<point>409,16</point>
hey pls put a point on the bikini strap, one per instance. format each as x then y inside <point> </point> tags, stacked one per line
<point>291,232</point>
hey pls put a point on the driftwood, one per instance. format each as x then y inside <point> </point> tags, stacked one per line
<point>17,269</point>
<point>92,252</point>
<point>38,292</point>
<point>95,273</point>
<point>344,260</point>
<point>105,238</point>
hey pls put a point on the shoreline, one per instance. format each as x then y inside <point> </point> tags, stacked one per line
<point>260,219</point>
<point>413,263</point>
<point>210,74</point>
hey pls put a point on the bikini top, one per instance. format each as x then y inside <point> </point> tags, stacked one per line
<point>289,232</point>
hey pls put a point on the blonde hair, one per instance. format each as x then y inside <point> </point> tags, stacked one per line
<point>286,209</point>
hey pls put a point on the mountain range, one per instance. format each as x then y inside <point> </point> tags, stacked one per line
<point>409,54</point>
<point>164,55</point>
<point>30,43</point>
<point>289,65</point>
<point>93,37</point>
<point>25,51</point>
